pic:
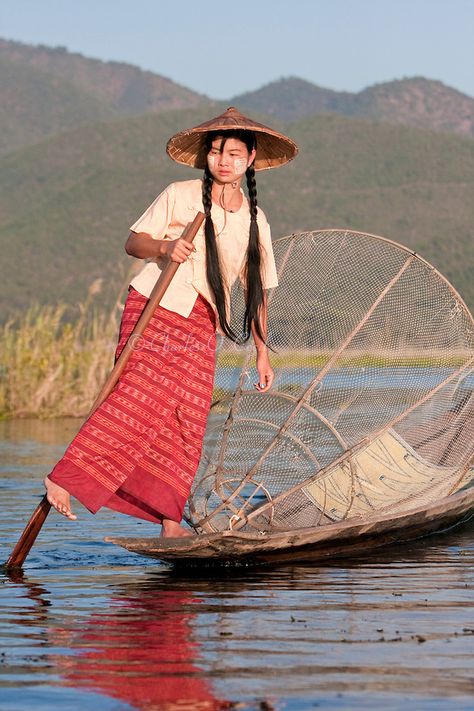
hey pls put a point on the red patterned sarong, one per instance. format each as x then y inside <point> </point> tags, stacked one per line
<point>138,453</point>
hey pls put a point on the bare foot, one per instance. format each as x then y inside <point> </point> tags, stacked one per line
<point>172,529</point>
<point>59,499</point>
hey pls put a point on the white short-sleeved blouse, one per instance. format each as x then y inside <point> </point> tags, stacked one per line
<point>166,218</point>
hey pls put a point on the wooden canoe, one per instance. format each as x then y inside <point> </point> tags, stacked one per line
<point>331,541</point>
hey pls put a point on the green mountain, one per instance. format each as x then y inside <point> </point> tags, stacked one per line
<point>66,203</point>
<point>128,89</point>
<point>291,99</point>
<point>37,104</point>
<point>46,90</point>
<point>412,102</point>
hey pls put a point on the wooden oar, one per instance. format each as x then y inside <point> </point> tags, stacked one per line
<point>33,527</point>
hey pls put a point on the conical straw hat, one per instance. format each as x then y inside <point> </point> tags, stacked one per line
<point>273,148</point>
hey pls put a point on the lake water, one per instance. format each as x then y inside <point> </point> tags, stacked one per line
<point>88,625</point>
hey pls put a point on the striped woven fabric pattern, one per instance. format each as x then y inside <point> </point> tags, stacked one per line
<point>138,453</point>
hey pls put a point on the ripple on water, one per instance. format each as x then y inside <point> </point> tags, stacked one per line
<point>90,625</point>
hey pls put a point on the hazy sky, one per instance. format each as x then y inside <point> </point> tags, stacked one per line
<point>222,49</point>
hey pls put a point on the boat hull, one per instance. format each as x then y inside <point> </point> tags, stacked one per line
<point>332,541</point>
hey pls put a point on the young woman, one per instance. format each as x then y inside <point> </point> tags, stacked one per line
<point>138,453</point>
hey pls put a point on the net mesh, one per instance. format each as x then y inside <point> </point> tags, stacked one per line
<point>372,408</point>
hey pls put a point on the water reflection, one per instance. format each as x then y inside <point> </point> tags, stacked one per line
<point>142,651</point>
<point>397,623</point>
<point>35,614</point>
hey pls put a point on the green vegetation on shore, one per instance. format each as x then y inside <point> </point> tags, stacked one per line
<point>51,366</point>
<point>54,360</point>
<point>305,359</point>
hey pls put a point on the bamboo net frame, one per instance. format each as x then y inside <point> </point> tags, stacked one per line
<point>373,355</point>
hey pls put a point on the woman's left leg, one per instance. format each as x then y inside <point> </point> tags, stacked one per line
<point>138,453</point>
<point>59,498</point>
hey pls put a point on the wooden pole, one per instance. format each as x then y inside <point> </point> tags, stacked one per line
<point>34,525</point>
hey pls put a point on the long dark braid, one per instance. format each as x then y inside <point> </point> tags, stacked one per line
<point>254,291</point>
<point>253,278</point>
<point>213,270</point>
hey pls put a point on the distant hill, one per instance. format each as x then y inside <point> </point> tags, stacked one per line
<point>418,102</point>
<point>127,88</point>
<point>37,103</point>
<point>66,203</point>
<point>412,102</point>
<point>291,99</point>
<point>46,90</point>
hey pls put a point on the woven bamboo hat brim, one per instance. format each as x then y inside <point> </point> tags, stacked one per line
<point>273,148</point>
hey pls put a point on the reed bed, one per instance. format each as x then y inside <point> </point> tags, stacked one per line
<point>54,362</point>
<point>55,359</point>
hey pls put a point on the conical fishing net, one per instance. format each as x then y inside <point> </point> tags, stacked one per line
<point>372,408</point>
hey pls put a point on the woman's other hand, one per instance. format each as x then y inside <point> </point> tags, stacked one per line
<point>265,371</point>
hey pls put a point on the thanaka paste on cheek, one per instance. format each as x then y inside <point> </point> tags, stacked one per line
<point>240,166</point>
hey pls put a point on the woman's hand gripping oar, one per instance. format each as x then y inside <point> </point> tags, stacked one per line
<point>33,527</point>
